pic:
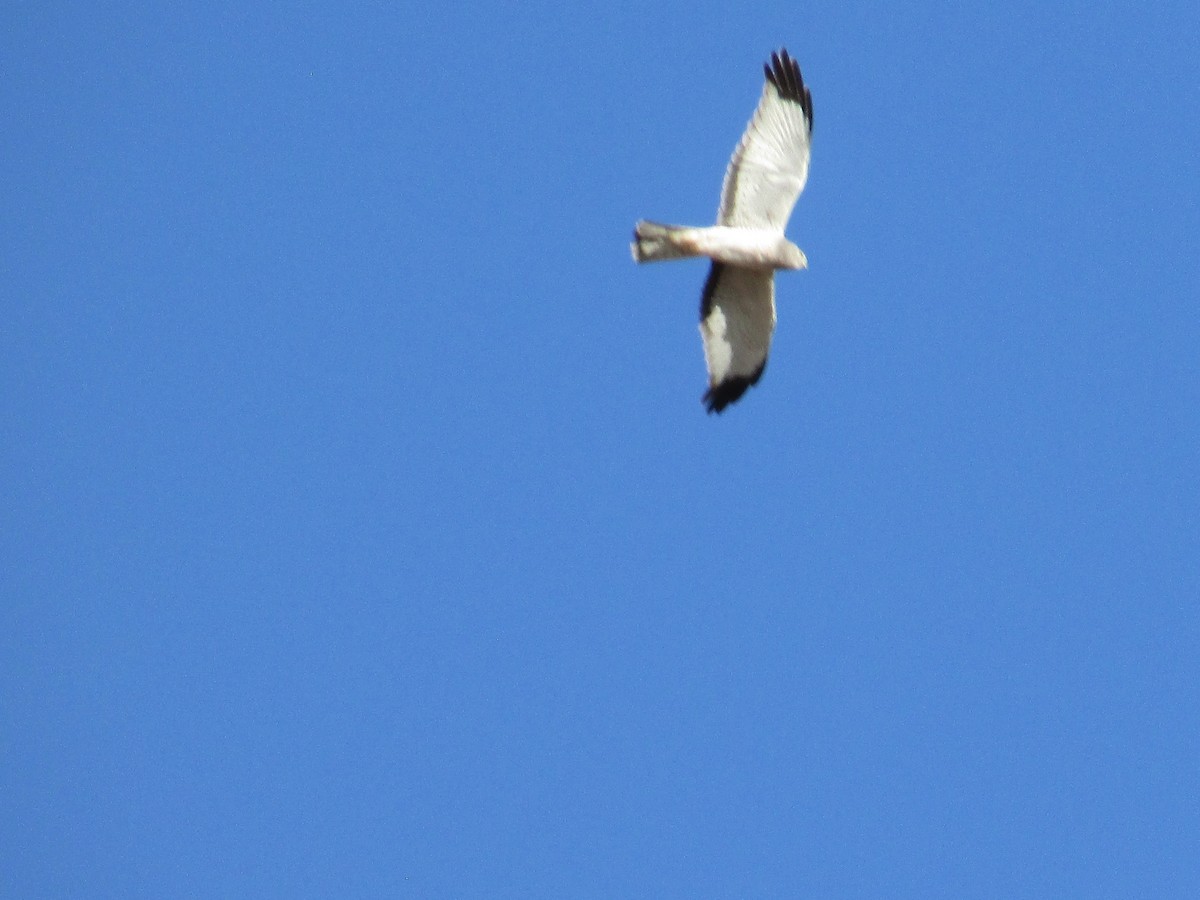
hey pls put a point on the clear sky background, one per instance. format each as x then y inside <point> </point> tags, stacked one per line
<point>364,534</point>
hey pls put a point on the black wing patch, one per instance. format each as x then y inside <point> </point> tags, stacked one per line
<point>710,287</point>
<point>784,73</point>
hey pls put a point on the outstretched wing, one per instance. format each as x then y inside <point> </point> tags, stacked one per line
<point>737,319</point>
<point>770,165</point>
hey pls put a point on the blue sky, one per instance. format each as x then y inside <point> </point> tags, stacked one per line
<point>365,533</point>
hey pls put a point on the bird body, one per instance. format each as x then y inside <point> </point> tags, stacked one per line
<point>754,248</point>
<point>762,183</point>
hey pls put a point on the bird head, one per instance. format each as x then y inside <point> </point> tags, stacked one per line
<point>796,258</point>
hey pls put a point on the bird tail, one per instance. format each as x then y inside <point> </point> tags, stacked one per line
<point>653,241</point>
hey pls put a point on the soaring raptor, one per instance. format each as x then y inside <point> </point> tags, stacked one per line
<point>764,178</point>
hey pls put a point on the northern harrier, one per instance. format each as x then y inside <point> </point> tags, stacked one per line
<point>764,178</point>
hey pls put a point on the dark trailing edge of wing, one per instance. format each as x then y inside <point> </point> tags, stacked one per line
<point>719,396</point>
<point>784,73</point>
<point>710,286</point>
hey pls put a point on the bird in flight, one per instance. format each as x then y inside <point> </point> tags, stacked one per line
<point>746,246</point>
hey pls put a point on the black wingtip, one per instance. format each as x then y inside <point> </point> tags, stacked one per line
<point>719,396</point>
<point>784,73</point>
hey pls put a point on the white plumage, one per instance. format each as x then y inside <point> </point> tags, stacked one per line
<point>765,177</point>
